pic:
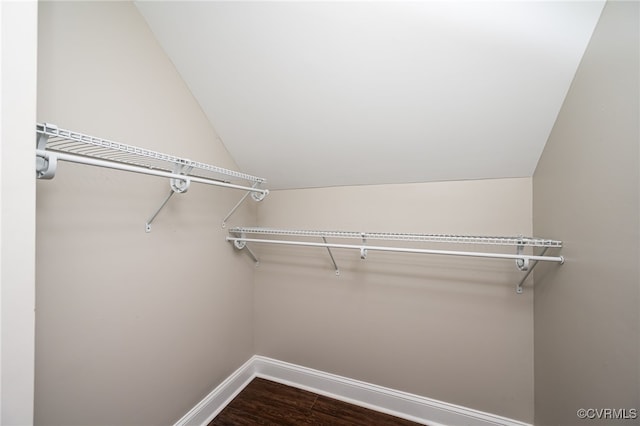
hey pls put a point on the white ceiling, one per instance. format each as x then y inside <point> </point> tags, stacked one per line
<point>309,94</point>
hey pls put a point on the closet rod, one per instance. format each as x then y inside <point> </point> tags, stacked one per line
<point>73,158</point>
<point>364,248</point>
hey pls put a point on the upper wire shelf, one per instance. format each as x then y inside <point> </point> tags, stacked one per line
<point>54,144</point>
<point>62,140</point>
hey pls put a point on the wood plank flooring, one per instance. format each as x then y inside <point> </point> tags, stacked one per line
<point>264,402</point>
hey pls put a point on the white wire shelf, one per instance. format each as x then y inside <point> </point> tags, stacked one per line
<point>54,144</point>
<point>68,141</point>
<point>524,262</point>
<point>389,236</point>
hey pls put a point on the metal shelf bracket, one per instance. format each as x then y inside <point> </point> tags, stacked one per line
<point>257,196</point>
<point>242,245</point>
<point>519,289</point>
<point>522,263</point>
<point>177,186</point>
<point>333,260</point>
<point>45,166</point>
<point>363,250</point>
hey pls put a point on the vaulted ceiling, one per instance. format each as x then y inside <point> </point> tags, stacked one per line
<point>309,94</point>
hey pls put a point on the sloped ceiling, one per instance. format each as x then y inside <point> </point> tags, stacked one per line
<point>309,94</point>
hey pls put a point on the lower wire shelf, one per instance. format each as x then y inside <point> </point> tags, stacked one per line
<point>524,262</point>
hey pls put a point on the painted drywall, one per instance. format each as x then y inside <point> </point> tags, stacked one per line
<point>17,202</point>
<point>383,91</point>
<point>586,191</point>
<point>133,328</point>
<point>451,329</point>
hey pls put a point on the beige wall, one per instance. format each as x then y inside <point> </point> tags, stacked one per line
<point>132,328</point>
<point>452,329</point>
<point>18,22</point>
<point>586,188</point>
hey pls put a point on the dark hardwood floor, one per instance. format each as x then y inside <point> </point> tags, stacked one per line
<point>264,402</point>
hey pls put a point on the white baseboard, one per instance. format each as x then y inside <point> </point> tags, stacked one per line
<point>207,409</point>
<point>400,404</point>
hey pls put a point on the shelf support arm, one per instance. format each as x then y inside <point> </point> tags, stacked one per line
<point>257,196</point>
<point>335,266</point>
<point>530,269</point>
<point>252,255</point>
<point>151,219</point>
<point>240,244</point>
<point>177,185</point>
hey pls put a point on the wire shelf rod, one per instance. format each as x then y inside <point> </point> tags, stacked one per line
<point>433,238</point>
<point>558,259</point>
<point>62,140</point>
<point>72,158</point>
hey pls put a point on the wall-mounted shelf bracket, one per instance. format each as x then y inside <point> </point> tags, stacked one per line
<point>180,185</point>
<point>46,166</point>
<point>530,270</point>
<point>151,219</point>
<point>333,260</point>
<point>177,186</point>
<point>257,196</point>
<point>522,263</point>
<point>363,250</point>
<point>242,245</point>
